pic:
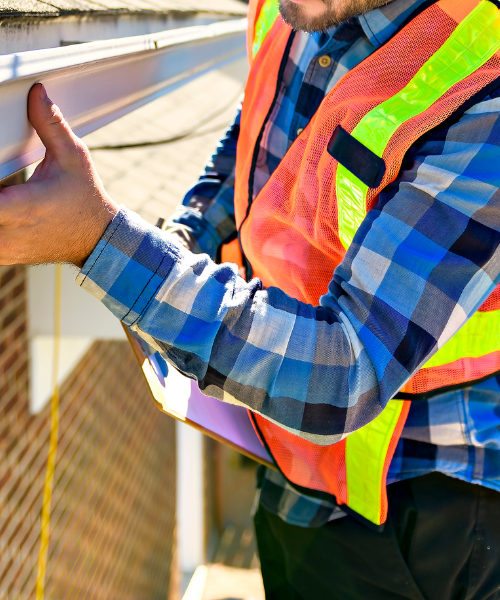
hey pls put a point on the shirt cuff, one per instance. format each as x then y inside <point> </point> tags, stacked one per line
<point>129,264</point>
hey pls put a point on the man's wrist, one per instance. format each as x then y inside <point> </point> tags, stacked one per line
<point>96,230</point>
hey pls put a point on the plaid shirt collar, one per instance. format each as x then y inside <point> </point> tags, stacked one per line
<point>380,24</point>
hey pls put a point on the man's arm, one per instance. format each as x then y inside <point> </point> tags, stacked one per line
<point>422,262</point>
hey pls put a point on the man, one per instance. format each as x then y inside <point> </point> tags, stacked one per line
<point>395,104</point>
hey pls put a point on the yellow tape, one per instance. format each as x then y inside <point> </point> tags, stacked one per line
<point>54,434</point>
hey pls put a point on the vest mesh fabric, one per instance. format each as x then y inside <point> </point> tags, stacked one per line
<point>295,456</point>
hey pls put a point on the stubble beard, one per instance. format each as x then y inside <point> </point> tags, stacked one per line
<point>335,13</point>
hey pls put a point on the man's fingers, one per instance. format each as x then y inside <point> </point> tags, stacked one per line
<point>49,123</point>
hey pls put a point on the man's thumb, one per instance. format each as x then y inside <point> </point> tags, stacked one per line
<point>49,123</point>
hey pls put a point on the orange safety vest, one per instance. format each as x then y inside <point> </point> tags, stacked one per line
<point>296,231</point>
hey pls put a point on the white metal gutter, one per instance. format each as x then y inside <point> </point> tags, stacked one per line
<point>97,82</point>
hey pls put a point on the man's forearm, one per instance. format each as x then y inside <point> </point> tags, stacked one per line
<point>300,366</point>
<point>305,368</point>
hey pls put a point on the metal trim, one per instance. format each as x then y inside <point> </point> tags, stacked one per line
<point>97,82</point>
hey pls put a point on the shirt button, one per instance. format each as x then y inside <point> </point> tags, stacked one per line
<point>300,130</point>
<point>324,61</point>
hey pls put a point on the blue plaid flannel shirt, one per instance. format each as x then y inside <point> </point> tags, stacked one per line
<point>422,262</point>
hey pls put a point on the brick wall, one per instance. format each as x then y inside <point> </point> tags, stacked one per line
<point>113,507</point>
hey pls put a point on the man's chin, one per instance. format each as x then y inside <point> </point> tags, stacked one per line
<point>301,17</point>
<point>321,15</point>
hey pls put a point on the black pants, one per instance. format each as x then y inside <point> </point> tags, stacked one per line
<point>441,542</point>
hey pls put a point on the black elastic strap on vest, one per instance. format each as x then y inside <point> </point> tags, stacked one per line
<point>356,158</point>
<point>218,252</point>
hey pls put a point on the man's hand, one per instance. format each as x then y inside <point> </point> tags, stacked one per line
<point>60,214</point>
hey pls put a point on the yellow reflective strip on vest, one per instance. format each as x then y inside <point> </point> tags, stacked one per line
<point>365,454</point>
<point>351,204</point>
<point>265,21</point>
<point>475,40</point>
<point>479,336</point>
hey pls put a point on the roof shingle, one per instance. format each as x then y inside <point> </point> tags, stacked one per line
<point>19,8</point>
